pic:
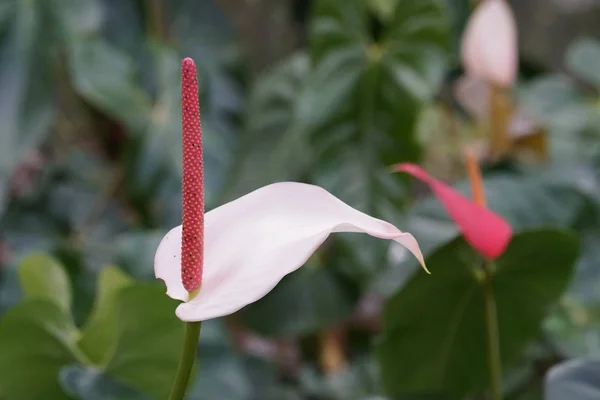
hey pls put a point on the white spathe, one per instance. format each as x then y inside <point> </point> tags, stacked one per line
<point>489,45</point>
<point>251,243</point>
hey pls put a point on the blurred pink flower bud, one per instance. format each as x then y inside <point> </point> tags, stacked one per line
<point>489,45</point>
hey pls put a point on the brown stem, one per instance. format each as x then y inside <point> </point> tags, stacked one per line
<point>332,352</point>
<point>499,119</point>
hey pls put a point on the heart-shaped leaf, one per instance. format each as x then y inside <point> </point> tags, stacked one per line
<point>443,346</point>
<point>37,338</point>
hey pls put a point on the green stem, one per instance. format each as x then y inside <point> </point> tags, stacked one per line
<point>186,362</point>
<point>493,336</point>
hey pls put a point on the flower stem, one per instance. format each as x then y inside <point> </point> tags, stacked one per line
<point>332,353</point>
<point>499,116</point>
<point>493,336</point>
<point>186,362</point>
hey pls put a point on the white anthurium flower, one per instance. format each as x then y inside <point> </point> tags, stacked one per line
<point>251,243</point>
<point>489,44</point>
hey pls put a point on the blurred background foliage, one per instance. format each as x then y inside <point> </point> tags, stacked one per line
<point>330,92</point>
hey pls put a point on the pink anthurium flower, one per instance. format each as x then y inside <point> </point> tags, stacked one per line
<point>485,231</point>
<point>489,44</point>
<point>238,252</point>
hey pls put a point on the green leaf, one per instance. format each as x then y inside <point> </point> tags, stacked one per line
<point>555,102</point>
<point>380,85</point>
<point>86,383</point>
<point>42,277</point>
<point>148,341</point>
<point>306,301</point>
<point>99,334</point>
<point>274,145</point>
<point>363,98</point>
<point>74,18</point>
<point>583,58</point>
<point>384,9</point>
<point>27,99</point>
<point>573,380</point>
<point>443,347</point>
<point>364,95</point>
<point>574,326</point>
<point>36,341</point>
<point>105,76</point>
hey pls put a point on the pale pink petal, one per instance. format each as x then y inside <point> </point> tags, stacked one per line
<point>167,264</point>
<point>254,241</point>
<point>489,46</point>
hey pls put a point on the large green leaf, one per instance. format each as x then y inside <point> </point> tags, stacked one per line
<point>36,340</point>
<point>148,340</point>
<point>362,101</point>
<point>366,93</point>
<point>99,334</point>
<point>573,380</point>
<point>42,277</point>
<point>306,301</point>
<point>442,346</point>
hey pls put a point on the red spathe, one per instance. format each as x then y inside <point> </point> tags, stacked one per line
<point>484,230</point>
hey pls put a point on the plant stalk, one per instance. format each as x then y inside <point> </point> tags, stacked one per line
<point>499,117</point>
<point>491,314</point>
<point>332,352</point>
<point>493,335</point>
<point>186,362</point>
